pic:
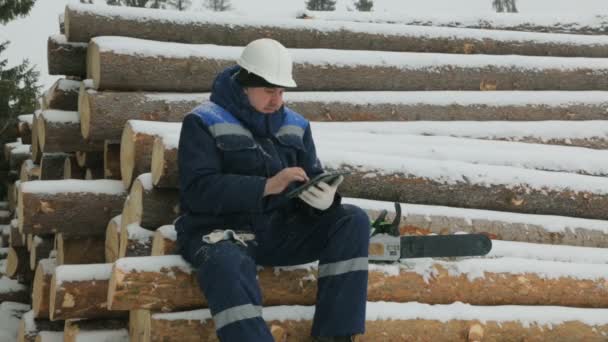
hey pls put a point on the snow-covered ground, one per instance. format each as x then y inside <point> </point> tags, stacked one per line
<point>28,35</point>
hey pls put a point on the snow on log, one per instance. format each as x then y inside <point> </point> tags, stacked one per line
<point>29,171</point>
<point>25,128</point>
<point>80,291</point>
<point>112,241</point>
<point>71,170</point>
<point>104,114</point>
<point>51,165</point>
<point>40,249</point>
<point>591,134</point>
<point>111,159</point>
<point>62,95</point>
<point>18,264</point>
<point>121,63</point>
<point>458,184</point>
<point>114,330</point>
<point>12,290</point>
<point>65,58</point>
<point>42,286</point>
<point>18,155</point>
<point>163,165</point>
<point>151,207</point>
<point>135,241</point>
<point>399,321</point>
<point>45,206</point>
<point>168,283</point>
<point>59,131</point>
<point>587,24</point>
<point>9,146</point>
<point>29,327</point>
<point>84,23</point>
<point>72,250</point>
<point>91,160</point>
<point>49,336</point>
<point>136,146</point>
<point>540,229</point>
<point>164,241</point>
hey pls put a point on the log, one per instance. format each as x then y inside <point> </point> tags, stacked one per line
<point>112,242</point>
<point>164,241</point>
<point>29,327</point>
<point>41,247</point>
<point>111,159</point>
<point>80,291</point>
<point>16,239</point>
<point>4,205</point>
<point>149,206</point>
<point>18,155</point>
<point>42,286</point>
<point>29,171</point>
<point>51,166</point>
<point>62,95</point>
<point>45,206</point>
<point>92,174</point>
<point>73,250</point>
<point>5,217</point>
<point>393,322</point>
<point>136,146</point>
<point>65,58</point>
<point>167,283</point>
<point>587,24</point>
<point>60,132</point>
<point>135,241</point>
<point>121,63</point>
<point>71,170</point>
<point>91,160</point>
<point>25,128</point>
<point>35,148</point>
<point>12,290</point>
<point>96,330</point>
<point>104,114</point>
<point>18,264</point>
<point>446,183</point>
<point>164,169</point>
<point>541,229</point>
<point>85,23</point>
<point>13,195</point>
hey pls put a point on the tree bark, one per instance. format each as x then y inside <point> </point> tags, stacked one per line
<point>18,264</point>
<point>198,325</point>
<point>62,95</point>
<point>136,283</point>
<point>72,250</point>
<point>84,25</point>
<point>66,58</point>
<point>44,211</point>
<point>104,114</point>
<point>112,68</point>
<point>135,241</point>
<point>41,247</point>
<point>51,166</point>
<point>16,238</point>
<point>164,167</point>
<point>41,287</point>
<point>91,160</point>
<point>164,241</point>
<point>29,171</point>
<point>112,242</point>
<point>74,295</point>
<point>136,146</point>
<point>29,328</point>
<point>60,132</point>
<point>149,206</point>
<point>17,157</point>
<point>87,330</point>
<point>111,159</point>
<point>92,174</point>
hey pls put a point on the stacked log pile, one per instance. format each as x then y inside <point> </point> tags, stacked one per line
<point>88,221</point>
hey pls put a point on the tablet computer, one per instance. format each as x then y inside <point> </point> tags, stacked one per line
<point>327,177</point>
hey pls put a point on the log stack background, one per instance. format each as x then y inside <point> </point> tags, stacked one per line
<point>87,230</point>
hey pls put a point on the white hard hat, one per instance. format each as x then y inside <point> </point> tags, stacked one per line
<point>270,60</point>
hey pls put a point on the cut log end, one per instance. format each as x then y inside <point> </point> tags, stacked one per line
<point>67,168</point>
<point>139,325</point>
<point>81,158</point>
<point>41,128</point>
<point>112,245</point>
<point>158,161</point>
<point>127,155</point>
<point>12,262</point>
<point>85,112</point>
<point>93,64</point>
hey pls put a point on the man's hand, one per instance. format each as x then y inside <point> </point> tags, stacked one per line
<point>280,181</point>
<point>321,196</point>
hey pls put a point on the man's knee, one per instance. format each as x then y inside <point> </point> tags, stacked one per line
<point>222,262</point>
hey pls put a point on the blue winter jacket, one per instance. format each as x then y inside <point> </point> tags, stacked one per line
<point>227,151</point>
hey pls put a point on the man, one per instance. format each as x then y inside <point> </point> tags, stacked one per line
<point>239,154</point>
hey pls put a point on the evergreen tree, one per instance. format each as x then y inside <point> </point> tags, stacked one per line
<point>218,5</point>
<point>180,5</point>
<point>504,6</point>
<point>321,5</point>
<point>364,5</point>
<point>10,9</point>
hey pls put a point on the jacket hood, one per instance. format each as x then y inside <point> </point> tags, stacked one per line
<point>228,93</point>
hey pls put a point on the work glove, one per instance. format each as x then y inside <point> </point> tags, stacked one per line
<point>322,195</point>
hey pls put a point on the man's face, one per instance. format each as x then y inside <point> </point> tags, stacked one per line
<point>265,100</point>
